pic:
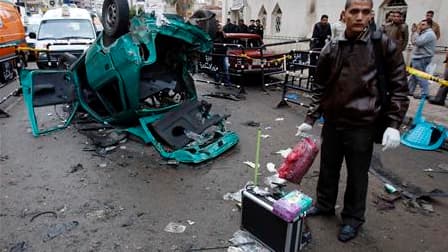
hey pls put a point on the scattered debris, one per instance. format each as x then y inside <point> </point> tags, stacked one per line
<point>173,227</point>
<point>268,128</point>
<point>102,165</point>
<point>236,196</point>
<point>246,242</point>
<point>250,164</point>
<point>265,136</point>
<point>75,168</point>
<point>386,202</point>
<point>435,171</point>
<point>271,167</point>
<point>274,181</point>
<point>19,247</point>
<point>230,248</point>
<point>252,124</point>
<point>123,147</point>
<point>224,95</point>
<point>106,138</point>
<point>279,119</point>
<point>190,222</point>
<point>4,158</point>
<point>284,152</point>
<point>58,229</point>
<point>389,188</point>
<point>42,213</point>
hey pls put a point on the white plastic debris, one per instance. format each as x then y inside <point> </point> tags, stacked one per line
<point>251,245</point>
<point>268,128</point>
<point>284,152</point>
<point>102,165</point>
<point>236,196</point>
<point>250,164</point>
<point>279,119</point>
<point>190,222</point>
<point>123,147</point>
<point>271,167</point>
<point>264,136</point>
<point>173,227</point>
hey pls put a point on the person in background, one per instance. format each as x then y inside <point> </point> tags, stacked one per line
<point>321,33</point>
<point>372,24</point>
<point>424,49</point>
<point>344,92</point>
<point>440,97</point>
<point>388,18</point>
<point>229,27</point>
<point>242,27</point>
<point>397,30</point>
<point>338,28</point>
<point>252,28</point>
<point>260,28</point>
<point>435,26</point>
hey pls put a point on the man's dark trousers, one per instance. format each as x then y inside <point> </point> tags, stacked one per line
<point>356,146</point>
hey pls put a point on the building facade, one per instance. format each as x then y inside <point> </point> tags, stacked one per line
<point>295,18</point>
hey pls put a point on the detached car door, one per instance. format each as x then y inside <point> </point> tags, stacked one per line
<point>50,98</point>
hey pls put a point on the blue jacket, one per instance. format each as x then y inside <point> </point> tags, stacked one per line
<point>425,44</point>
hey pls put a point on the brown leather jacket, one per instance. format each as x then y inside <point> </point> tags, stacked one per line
<point>346,91</point>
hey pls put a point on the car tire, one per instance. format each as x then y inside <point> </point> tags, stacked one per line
<point>206,20</point>
<point>115,17</point>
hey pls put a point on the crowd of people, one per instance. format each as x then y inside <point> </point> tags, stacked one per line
<point>255,27</point>
<point>423,38</point>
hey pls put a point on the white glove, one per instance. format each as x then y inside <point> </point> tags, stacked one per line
<point>391,138</point>
<point>304,127</point>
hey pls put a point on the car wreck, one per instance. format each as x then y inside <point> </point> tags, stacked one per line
<point>135,77</point>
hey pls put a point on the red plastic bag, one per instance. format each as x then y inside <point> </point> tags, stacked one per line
<point>299,161</point>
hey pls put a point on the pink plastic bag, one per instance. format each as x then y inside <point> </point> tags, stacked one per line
<point>299,161</point>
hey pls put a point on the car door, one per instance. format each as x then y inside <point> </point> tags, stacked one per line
<point>50,98</point>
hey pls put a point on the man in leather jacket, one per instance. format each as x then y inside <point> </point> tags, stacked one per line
<point>347,95</point>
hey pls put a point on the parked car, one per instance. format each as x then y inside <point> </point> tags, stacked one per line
<point>12,35</point>
<point>66,29</point>
<point>245,56</point>
<point>32,26</point>
<point>135,77</point>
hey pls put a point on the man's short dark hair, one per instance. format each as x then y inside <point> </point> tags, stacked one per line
<point>348,3</point>
<point>430,12</point>
<point>252,20</point>
<point>258,20</point>
<point>324,16</point>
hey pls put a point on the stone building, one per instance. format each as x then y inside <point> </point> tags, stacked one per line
<point>295,18</point>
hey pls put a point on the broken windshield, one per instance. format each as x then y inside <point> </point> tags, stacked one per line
<point>66,28</point>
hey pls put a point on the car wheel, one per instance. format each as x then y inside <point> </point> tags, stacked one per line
<point>115,17</point>
<point>206,20</point>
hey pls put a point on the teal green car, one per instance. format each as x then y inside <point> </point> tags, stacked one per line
<point>136,79</point>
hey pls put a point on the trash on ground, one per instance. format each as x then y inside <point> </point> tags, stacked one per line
<point>252,124</point>
<point>284,153</point>
<point>58,229</point>
<point>227,96</point>
<point>435,170</point>
<point>268,128</point>
<point>271,167</point>
<point>250,164</point>
<point>19,247</point>
<point>383,202</point>
<point>54,214</point>
<point>123,147</point>
<point>299,161</point>
<point>274,181</point>
<point>389,188</point>
<point>279,119</point>
<point>102,165</point>
<point>75,168</point>
<point>236,196</point>
<point>251,245</point>
<point>173,227</point>
<point>265,136</point>
<point>106,138</point>
<point>190,222</point>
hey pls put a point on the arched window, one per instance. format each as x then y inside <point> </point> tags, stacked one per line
<point>262,15</point>
<point>276,19</point>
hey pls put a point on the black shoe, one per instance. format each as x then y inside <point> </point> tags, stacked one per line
<point>314,211</point>
<point>436,102</point>
<point>347,233</point>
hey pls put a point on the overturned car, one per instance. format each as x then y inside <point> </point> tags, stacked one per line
<point>135,77</point>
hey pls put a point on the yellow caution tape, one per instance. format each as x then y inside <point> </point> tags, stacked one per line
<point>427,76</point>
<point>283,58</point>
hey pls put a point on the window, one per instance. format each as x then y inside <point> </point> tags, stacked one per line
<point>277,19</point>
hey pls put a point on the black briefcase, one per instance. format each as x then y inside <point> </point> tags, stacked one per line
<point>269,229</point>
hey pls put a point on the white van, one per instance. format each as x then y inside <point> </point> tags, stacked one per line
<point>66,29</point>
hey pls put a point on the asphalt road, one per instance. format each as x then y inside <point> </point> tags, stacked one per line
<point>124,200</point>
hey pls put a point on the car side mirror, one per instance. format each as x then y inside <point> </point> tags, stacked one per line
<point>32,35</point>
